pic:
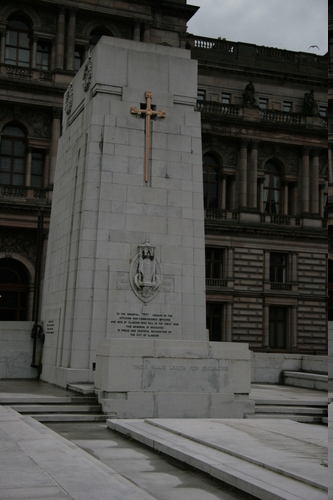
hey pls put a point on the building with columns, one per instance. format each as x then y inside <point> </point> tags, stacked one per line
<point>265,164</point>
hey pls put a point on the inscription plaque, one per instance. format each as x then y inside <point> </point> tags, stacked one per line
<point>144,325</point>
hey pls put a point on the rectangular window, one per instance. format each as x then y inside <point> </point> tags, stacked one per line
<point>214,263</point>
<point>214,319</point>
<point>278,268</point>
<point>43,56</point>
<point>263,103</point>
<point>226,98</point>
<point>78,58</point>
<point>37,164</point>
<point>287,106</point>
<point>277,327</point>
<point>201,95</point>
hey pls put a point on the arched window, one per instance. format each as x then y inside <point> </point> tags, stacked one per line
<point>211,182</point>
<point>14,289</point>
<point>13,156</point>
<point>96,34</point>
<point>272,189</point>
<point>17,51</point>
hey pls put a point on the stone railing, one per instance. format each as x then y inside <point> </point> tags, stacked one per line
<point>219,214</point>
<point>23,192</point>
<point>27,73</point>
<point>282,287</point>
<point>225,46</point>
<point>216,283</point>
<point>217,108</point>
<point>274,53</point>
<point>267,115</point>
<point>282,117</point>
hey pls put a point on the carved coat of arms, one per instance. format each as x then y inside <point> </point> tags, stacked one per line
<point>145,273</point>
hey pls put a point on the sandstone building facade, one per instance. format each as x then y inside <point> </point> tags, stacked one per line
<point>265,164</point>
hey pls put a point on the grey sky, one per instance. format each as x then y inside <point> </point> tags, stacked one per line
<point>286,24</point>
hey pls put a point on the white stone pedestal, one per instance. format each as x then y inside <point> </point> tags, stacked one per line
<point>173,379</point>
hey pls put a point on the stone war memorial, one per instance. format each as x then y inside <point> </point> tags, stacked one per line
<point>124,291</point>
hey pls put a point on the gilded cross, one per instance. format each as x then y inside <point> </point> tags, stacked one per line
<point>149,112</point>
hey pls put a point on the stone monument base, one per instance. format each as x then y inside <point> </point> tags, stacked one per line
<point>173,379</point>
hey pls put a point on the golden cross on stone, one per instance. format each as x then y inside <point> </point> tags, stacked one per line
<point>149,113</point>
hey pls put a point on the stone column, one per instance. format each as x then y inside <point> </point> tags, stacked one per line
<point>34,52</point>
<point>305,179</point>
<point>293,327</point>
<point>60,48</point>
<point>71,39</point>
<point>243,174</point>
<point>285,198</point>
<point>315,182</point>
<point>146,33</point>
<point>330,164</point>
<point>266,265</point>
<point>56,128</point>
<point>230,263</point>
<point>137,31</point>
<point>293,195</point>
<point>261,194</point>
<point>228,323</point>
<point>321,199</point>
<point>293,267</point>
<point>28,170</point>
<point>254,175</point>
<point>265,327</point>
<point>46,176</point>
<point>224,191</point>
<point>2,46</point>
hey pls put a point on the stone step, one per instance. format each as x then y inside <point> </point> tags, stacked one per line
<point>316,381</point>
<point>258,471</point>
<point>305,419</point>
<point>55,408</point>
<point>70,417</point>
<point>292,402</point>
<point>82,388</point>
<point>11,399</point>
<point>298,410</point>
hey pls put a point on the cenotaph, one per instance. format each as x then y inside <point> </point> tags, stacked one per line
<point>124,290</point>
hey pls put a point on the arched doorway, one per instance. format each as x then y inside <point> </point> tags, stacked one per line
<point>14,290</point>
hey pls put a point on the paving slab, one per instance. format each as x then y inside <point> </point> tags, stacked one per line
<point>270,460</point>
<point>38,463</point>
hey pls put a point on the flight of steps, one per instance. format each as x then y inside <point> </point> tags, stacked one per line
<point>301,411</point>
<point>73,407</point>
<point>309,410</point>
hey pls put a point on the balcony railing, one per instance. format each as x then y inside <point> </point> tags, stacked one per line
<point>27,73</point>
<point>283,287</point>
<point>266,115</point>
<point>216,283</point>
<point>218,108</point>
<point>22,192</point>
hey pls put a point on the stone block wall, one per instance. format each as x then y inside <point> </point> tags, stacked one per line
<point>16,346</point>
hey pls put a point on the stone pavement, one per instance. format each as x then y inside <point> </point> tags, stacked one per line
<point>94,463</point>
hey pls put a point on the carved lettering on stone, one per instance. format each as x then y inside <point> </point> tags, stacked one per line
<point>145,273</point>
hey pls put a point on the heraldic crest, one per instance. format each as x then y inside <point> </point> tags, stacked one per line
<point>145,274</point>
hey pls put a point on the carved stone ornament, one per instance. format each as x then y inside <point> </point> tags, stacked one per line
<point>69,99</point>
<point>145,273</point>
<point>87,74</point>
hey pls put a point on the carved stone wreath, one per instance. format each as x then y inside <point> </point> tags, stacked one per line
<point>69,99</point>
<point>145,273</point>
<point>87,74</point>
